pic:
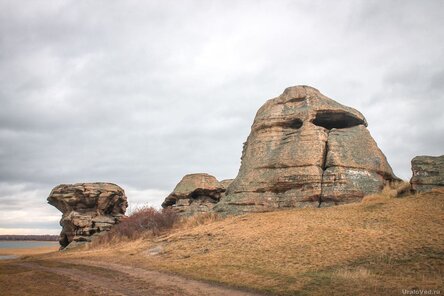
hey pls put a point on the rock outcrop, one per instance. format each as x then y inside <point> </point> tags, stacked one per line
<point>225,183</point>
<point>196,193</point>
<point>428,173</point>
<point>306,149</point>
<point>89,210</point>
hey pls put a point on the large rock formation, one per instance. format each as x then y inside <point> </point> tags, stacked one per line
<point>196,193</point>
<point>305,149</point>
<point>89,209</point>
<point>428,173</point>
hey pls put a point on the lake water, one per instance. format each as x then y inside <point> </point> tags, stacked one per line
<point>5,257</point>
<point>26,244</point>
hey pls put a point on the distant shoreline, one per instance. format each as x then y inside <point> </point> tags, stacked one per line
<point>44,237</point>
<point>18,248</point>
<point>27,240</point>
<point>16,244</point>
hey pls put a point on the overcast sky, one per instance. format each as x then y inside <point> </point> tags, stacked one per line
<point>140,93</point>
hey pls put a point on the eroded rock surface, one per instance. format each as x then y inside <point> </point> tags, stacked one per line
<point>306,149</point>
<point>428,173</point>
<point>89,209</point>
<point>225,183</point>
<point>196,193</point>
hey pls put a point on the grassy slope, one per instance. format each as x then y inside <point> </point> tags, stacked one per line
<point>380,246</point>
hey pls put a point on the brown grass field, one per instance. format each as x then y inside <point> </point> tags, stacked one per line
<point>377,247</point>
<point>29,251</point>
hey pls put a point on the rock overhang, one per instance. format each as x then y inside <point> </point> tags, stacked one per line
<point>299,105</point>
<point>88,210</point>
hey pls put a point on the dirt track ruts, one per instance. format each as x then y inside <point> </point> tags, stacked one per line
<point>115,279</point>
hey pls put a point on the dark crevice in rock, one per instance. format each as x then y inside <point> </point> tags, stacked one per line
<point>109,210</point>
<point>283,166</point>
<point>324,167</point>
<point>212,196</point>
<point>199,196</point>
<point>336,119</point>
<point>292,124</point>
<point>169,201</point>
<point>292,100</point>
<point>324,157</point>
<point>296,100</point>
<point>284,187</point>
<point>289,136</point>
<point>63,240</point>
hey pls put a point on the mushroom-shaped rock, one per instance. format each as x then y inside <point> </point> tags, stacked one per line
<point>195,193</point>
<point>89,209</point>
<point>428,173</point>
<point>305,149</point>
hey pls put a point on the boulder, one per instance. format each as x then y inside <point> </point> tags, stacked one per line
<point>88,210</point>
<point>428,173</point>
<point>195,193</point>
<point>306,150</point>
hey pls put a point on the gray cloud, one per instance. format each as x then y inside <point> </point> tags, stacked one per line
<point>141,93</point>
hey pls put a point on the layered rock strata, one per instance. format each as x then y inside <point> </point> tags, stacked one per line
<point>89,210</point>
<point>196,193</point>
<point>306,149</point>
<point>428,173</point>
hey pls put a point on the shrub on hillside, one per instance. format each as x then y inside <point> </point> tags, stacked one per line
<point>142,222</point>
<point>393,190</point>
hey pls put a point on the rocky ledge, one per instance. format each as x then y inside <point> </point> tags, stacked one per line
<point>89,210</point>
<point>428,173</point>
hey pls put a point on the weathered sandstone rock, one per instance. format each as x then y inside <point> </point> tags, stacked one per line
<point>225,183</point>
<point>89,209</point>
<point>306,149</point>
<point>196,193</point>
<point>428,173</point>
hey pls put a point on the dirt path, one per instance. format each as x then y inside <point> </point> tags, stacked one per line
<point>115,279</point>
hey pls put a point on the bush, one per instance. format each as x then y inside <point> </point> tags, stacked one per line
<point>142,222</point>
<point>393,190</point>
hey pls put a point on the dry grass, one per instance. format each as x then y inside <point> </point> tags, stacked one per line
<point>373,247</point>
<point>353,274</point>
<point>199,219</point>
<point>146,223</point>
<point>29,251</point>
<point>396,189</point>
<point>376,247</point>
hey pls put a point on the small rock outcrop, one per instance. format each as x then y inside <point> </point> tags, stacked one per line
<point>225,183</point>
<point>306,149</point>
<point>428,173</point>
<point>89,210</point>
<point>196,193</point>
